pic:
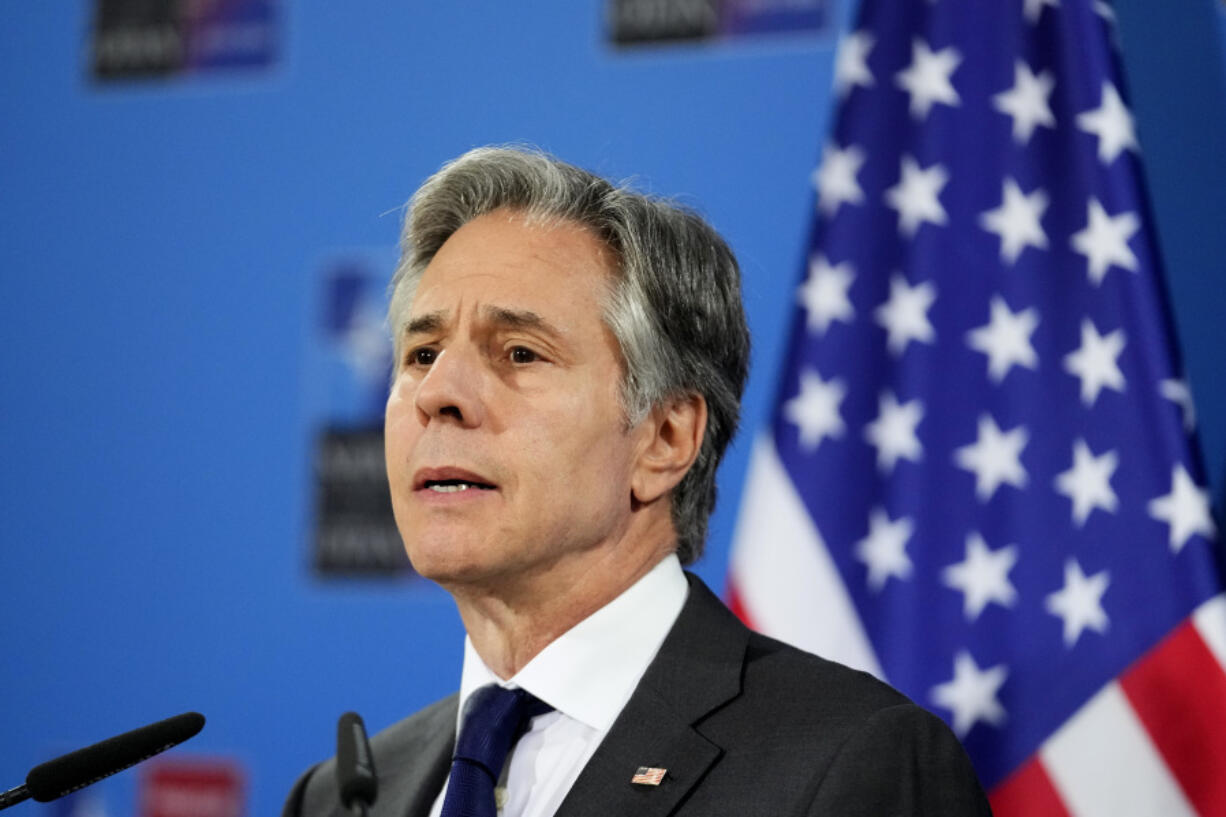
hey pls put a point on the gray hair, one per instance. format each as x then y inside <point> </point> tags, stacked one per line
<point>674,306</point>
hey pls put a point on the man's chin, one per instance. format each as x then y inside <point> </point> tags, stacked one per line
<point>450,563</point>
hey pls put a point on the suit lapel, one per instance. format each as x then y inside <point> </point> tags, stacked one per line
<point>413,761</point>
<point>429,773</point>
<point>697,669</point>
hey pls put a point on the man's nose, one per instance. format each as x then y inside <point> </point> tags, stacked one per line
<point>451,389</point>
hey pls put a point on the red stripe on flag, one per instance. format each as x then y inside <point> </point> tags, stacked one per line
<point>1179,693</point>
<point>1028,792</point>
<point>737,606</point>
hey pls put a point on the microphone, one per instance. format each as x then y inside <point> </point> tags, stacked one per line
<point>76,770</point>
<point>355,766</point>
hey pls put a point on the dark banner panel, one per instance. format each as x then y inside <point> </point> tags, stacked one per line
<point>634,22</point>
<point>347,371</point>
<point>164,38</point>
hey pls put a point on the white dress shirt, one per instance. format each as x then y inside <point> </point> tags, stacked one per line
<point>587,675</point>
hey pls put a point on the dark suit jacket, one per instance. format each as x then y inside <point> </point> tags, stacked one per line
<point>744,724</point>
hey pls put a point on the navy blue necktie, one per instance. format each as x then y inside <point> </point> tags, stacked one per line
<point>494,720</point>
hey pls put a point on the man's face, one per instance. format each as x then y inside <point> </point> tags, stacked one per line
<point>506,448</point>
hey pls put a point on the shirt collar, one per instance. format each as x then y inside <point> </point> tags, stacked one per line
<point>589,672</point>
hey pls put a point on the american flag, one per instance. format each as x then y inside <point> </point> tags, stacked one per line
<point>980,482</point>
<point>648,776</point>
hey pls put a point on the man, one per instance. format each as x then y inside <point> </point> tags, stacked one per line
<point>571,357</point>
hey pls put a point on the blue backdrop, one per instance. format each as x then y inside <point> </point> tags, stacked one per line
<point>162,242</point>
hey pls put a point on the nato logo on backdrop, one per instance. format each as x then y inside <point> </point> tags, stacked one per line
<point>346,380</point>
<point>165,38</point>
<point>632,22</point>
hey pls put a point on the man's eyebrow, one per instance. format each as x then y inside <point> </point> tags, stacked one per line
<point>519,319</point>
<point>422,324</point>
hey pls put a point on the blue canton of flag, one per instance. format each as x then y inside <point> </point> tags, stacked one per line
<point>980,481</point>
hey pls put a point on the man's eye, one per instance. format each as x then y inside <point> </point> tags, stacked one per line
<point>421,357</point>
<point>522,354</point>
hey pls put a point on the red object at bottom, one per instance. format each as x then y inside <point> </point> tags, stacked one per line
<point>192,788</point>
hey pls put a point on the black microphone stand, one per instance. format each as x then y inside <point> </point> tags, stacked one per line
<point>17,795</point>
<point>356,781</point>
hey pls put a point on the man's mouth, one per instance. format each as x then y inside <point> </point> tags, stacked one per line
<point>451,486</point>
<point>450,480</point>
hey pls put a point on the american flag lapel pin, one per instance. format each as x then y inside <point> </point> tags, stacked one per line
<point>648,776</point>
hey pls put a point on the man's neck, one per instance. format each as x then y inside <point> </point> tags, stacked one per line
<point>509,625</point>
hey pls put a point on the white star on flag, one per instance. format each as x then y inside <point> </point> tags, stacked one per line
<point>971,694</point>
<point>905,315</point>
<point>994,458</point>
<point>916,196</point>
<point>1005,339</point>
<point>1088,482</point>
<point>1185,509</point>
<point>983,576</point>
<point>851,63</point>
<point>927,78</point>
<point>1176,390</point>
<point>1079,602</point>
<point>1104,240</point>
<point>893,432</point>
<point>1096,362</point>
<point>835,179</point>
<point>1016,221</point>
<point>824,293</point>
<point>815,411</point>
<point>1027,101</point>
<point>884,550</point>
<point>1112,123</point>
<point>1034,8</point>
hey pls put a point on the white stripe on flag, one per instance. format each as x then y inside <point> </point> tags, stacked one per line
<point>784,576</point>
<point>1103,763</point>
<point>1210,621</point>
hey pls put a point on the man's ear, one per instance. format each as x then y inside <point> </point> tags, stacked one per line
<point>675,432</point>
